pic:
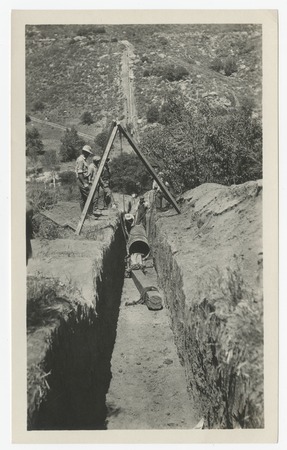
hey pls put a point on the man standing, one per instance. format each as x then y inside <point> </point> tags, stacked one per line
<point>98,198</point>
<point>82,174</point>
<point>140,218</point>
<point>106,184</point>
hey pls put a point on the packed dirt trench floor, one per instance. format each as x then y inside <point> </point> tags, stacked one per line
<point>148,387</point>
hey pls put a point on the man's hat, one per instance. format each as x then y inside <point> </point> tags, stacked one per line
<point>129,217</point>
<point>87,149</point>
<point>96,159</point>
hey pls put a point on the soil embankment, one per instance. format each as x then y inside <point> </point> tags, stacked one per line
<point>209,264</point>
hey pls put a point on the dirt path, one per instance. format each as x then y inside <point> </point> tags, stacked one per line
<point>61,127</point>
<point>127,78</point>
<point>148,387</point>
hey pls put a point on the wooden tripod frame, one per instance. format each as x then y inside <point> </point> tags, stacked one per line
<point>114,128</point>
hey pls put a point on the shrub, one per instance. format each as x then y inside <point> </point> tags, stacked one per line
<point>41,197</point>
<point>144,58</point>
<point>28,118</point>
<point>204,147</point>
<point>128,175</point>
<point>152,114</point>
<point>173,73</point>
<point>51,160</point>
<point>85,30</point>
<point>44,228</point>
<point>68,177</point>
<point>146,73</point>
<point>72,145</point>
<point>217,65</point>
<point>230,66</point>
<point>101,139</point>
<point>38,106</point>
<point>163,40</point>
<point>87,118</point>
<point>34,144</point>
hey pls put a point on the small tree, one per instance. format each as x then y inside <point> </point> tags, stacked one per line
<point>87,118</point>
<point>152,114</point>
<point>217,65</point>
<point>101,139</point>
<point>34,144</point>
<point>51,160</point>
<point>71,145</point>
<point>28,118</point>
<point>230,66</point>
<point>38,106</point>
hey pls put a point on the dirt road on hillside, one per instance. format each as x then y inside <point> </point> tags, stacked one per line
<point>127,79</point>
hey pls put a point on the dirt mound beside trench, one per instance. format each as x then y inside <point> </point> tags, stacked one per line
<point>209,264</point>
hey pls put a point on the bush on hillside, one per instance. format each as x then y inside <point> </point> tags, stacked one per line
<point>170,72</point>
<point>87,118</point>
<point>34,144</point>
<point>217,65</point>
<point>202,146</point>
<point>101,139</point>
<point>38,106</point>
<point>51,160</point>
<point>230,66</point>
<point>28,118</point>
<point>146,73</point>
<point>128,175</point>
<point>163,40</point>
<point>85,30</point>
<point>174,73</point>
<point>152,114</point>
<point>41,197</point>
<point>71,146</point>
<point>67,177</point>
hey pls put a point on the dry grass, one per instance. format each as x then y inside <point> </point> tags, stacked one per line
<point>226,352</point>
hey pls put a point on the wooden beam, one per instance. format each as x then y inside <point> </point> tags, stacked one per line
<point>114,130</point>
<point>149,167</point>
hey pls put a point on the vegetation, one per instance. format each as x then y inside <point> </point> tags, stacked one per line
<point>41,197</point>
<point>152,114</point>
<point>34,144</point>
<point>230,66</point>
<point>87,118</point>
<point>205,145</point>
<point>51,160</point>
<point>46,298</point>
<point>101,139</point>
<point>226,351</point>
<point>72,145</point>
<point>227,66</point>
<point>128,175</point>
<point>38,106</point>
<point>86,30</point>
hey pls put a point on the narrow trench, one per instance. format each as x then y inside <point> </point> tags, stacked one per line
<point>79,358</point>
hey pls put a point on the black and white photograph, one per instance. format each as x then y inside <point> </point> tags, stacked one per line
<point>144,189</point>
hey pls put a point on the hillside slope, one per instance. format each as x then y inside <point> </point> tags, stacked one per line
<point>72,69</point>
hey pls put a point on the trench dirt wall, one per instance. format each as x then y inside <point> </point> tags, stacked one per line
<point>209,265</point>
<point>70,345</point>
